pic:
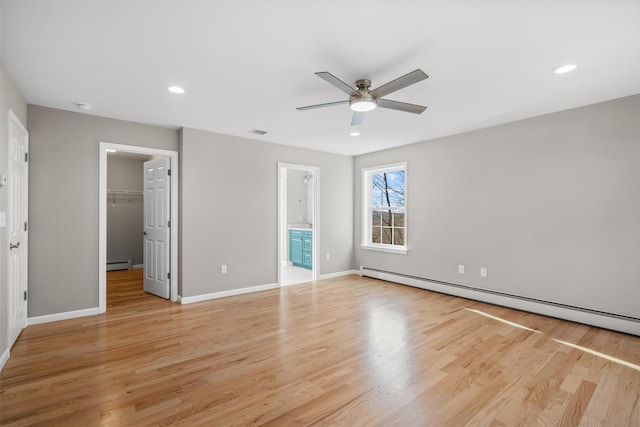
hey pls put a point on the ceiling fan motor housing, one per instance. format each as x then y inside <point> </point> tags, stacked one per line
<point>363,101</point>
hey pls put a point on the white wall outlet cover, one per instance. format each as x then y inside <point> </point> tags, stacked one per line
<point>461,269</point>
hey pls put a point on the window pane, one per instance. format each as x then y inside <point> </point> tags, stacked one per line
<point>386,236</point>
<point>398,236</point>
<point>375,235</point>
<point>375,219</point>
<point>386,218</point>
<point>387,189</point>
<point>398,219</point>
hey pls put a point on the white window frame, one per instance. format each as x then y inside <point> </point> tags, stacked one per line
<point>367,174</point>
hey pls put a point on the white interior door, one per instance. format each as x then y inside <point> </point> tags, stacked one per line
<point>18,183</point>
<point>157,197</point>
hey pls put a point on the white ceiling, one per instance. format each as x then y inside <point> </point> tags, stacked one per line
<point>249,64</point>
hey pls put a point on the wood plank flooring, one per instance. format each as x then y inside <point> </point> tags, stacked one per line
<point>349,351</point>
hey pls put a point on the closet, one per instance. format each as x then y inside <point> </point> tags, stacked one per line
<point>125,210</point>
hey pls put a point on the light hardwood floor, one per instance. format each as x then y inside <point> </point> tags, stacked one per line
<point>347,351</point>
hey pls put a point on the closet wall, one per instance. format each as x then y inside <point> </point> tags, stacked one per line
<point>124,211</point>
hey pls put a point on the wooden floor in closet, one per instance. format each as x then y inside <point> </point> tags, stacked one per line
<point>346,351</point>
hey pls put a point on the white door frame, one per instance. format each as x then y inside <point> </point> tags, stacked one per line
<point>282,216</point>
<point>102,209</point>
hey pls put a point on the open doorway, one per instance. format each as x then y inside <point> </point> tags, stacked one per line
<point>125,210</point>
<point>298,223</point>
<point>122,196</point>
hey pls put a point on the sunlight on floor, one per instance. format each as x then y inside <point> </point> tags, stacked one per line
<point>577,347</point>
<point>516,325</point>
<point>601,355</point>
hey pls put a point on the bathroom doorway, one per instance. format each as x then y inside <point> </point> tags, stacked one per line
<point>298,223</point>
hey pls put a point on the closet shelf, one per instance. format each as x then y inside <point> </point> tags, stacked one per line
<point>137,192</point>
<point>129,196</point>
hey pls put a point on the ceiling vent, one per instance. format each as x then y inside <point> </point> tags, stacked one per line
<point>258,131</point>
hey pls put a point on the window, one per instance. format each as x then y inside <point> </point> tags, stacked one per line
<point>384,208</point>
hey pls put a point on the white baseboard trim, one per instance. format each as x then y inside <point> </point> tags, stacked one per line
<point>224,294</point>
<point>137,266</point>
<point>4,358</point>
<point>62,316</point>
<point>339,274</point>
<point>574,314</point>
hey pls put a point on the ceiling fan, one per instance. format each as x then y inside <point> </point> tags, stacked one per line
<point>363,99</point>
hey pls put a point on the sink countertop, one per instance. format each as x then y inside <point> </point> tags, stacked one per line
<point>300,227</point>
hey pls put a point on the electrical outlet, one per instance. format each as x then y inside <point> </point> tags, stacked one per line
<point>223,269</point>
<point>328,256</point>
<point>461,269</point>
<point>483,272</point>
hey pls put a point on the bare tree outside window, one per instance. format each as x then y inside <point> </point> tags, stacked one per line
<point>388,207</point>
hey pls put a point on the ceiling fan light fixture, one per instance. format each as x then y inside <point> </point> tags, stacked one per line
<point>363,103</point>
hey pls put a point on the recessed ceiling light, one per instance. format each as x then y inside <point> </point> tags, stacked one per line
<point>354,134</point>
<point>84,106</point>
<point>175,89</point>
<point>567,68</point>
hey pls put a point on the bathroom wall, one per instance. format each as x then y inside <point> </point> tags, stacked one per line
<point>297,199</point>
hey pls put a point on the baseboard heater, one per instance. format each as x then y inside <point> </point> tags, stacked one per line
<point>119,265</point>
<point>616,322</point>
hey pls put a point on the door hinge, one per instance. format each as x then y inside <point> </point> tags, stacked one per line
<point>169,172</point>
<point>169,223</point>
<point>168,275</point>
<point>26,157</point>
<point>25,295</point>
<point>25,226</point>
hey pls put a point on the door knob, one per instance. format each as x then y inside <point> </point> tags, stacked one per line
<point>144,233</point>
<point>12,246</point>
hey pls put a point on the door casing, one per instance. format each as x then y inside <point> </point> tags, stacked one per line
<point>102,214</point>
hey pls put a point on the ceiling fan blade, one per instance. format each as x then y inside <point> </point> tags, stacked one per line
<point>325,75</point>
<point>399,83</point>
<point>358,117</point>
<point>328,104</point>
<point>401,106</point>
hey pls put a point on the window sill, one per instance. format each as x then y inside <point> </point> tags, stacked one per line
<point>401,251</point>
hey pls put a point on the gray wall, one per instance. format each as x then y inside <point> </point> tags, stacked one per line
<point>550,205</point>
<point>10,98</point>
<point>125,216</point>
<point>63,202</point>
<point>296,197</point>
<point>229,210</point>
